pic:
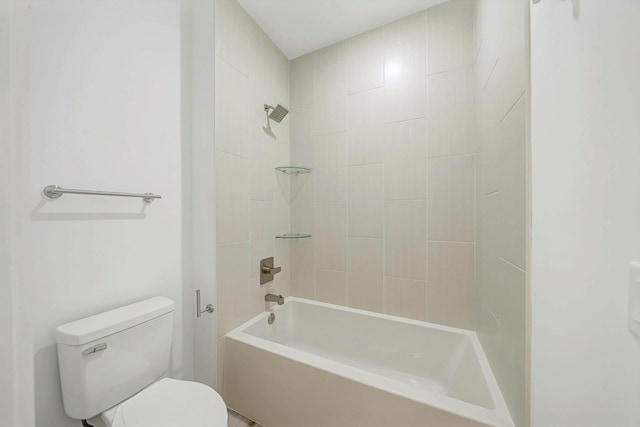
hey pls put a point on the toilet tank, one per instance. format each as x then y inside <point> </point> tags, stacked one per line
<point>106,358</point>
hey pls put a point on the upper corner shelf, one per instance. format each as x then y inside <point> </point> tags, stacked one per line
<point>293,170</point>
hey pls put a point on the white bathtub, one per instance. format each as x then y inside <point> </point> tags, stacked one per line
<point>329,366</point>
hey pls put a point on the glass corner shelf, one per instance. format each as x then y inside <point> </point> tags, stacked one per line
<point>293,236</point>
<point>293,170</point>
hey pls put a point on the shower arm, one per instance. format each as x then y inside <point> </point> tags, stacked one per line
<point>266,110</point>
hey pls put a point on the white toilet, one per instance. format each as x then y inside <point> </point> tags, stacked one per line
<point>114,364</point>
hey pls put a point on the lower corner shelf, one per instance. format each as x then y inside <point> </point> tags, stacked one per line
<point>293,236</point>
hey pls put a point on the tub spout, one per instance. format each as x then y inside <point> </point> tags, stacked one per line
<point>274,298</point>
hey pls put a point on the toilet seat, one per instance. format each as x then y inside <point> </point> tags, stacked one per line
<point>170,403</point>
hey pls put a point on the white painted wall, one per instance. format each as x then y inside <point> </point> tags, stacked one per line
<point>106,100</point>
<point>199,203</point>
<point>16,368</point>
<point>586,211</point>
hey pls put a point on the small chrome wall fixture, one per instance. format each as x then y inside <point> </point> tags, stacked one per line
<point>199,311</point>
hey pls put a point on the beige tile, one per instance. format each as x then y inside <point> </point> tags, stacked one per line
<point>262,235</point>
<point>331,286</point>
<point>365,127</point>
<point>366,200</point>
<point>511,372</point>
<point>450,35</point>
<point>301,136</point>
<point>232,27</point>
<point>331,236</point>
<point>219,365</point>
<point>330,169</point>
<point>365,61</point>
<point>330,55</point>
<point>303,203</point>
<point>405,167</point>
<point>302,81</point>
<point>406,298</point>
<point>451,199</point>
<point>261,167</point>
<point>405,29</point>
<point>405,239</point>
<point>488,222</point>
<point>232,110</point>
<point>491,153</point>
<point>255,296</point>
<point>450,122</point>
<point>232,198</point>
<point>282,281</point>
<point>232,278</point>
<point>330,99</point>
<point>450,285</point>
<point>365,274</point>
<point>513,186</point>
<point>303,274</point>
<point>405,81</point>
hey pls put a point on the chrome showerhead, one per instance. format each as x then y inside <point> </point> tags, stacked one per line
<point>279,112</point>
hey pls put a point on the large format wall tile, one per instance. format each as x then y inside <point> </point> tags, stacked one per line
<point>251,204</point>
<point>405,239</point>
<point>232,27</point>
<point>406,298</point>
<point>405,152</point>
<point>365,274</point>
<point>301,133</point>
<point>330,158</point>
<point>330,99</point>
<point>331,236</point>
<point>262,235</point>
<point>232,110</point>
<point>450,35</point>
<point>451,198</point>
<point>331,286</point>
<point>232,278</point>
<point>367,205</point>
<point>366,200</point>
<point>303,273</point>
<point>302,81</point>
<point>450,285</point>
<point>406,29</point>
<point>365,127</point>
<point>513,186</point>
<point>405,81</point>
<point>365,61</point>
<point>232,198</point>
<point>450,118</point>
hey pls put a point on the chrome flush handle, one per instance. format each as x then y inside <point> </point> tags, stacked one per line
<point>96,348</point>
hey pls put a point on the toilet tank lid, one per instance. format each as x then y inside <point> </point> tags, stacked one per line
<point>110,322</point>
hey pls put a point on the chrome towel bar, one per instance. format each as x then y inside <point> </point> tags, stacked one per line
<point>54,192</point>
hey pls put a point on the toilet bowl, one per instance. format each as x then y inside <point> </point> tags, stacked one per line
<point>170,403</point>
<point>115,365</point>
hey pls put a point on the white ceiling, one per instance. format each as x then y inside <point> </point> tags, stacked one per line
<point>298,27</point>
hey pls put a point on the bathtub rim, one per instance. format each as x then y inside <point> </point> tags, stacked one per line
<point>499,416</point>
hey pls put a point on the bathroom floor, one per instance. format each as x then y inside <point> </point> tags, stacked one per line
<point>237,420</point>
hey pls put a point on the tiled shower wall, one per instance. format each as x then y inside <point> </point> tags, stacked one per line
<point>386,121</point>
<point>501,82</point>
<point>251,207</point>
